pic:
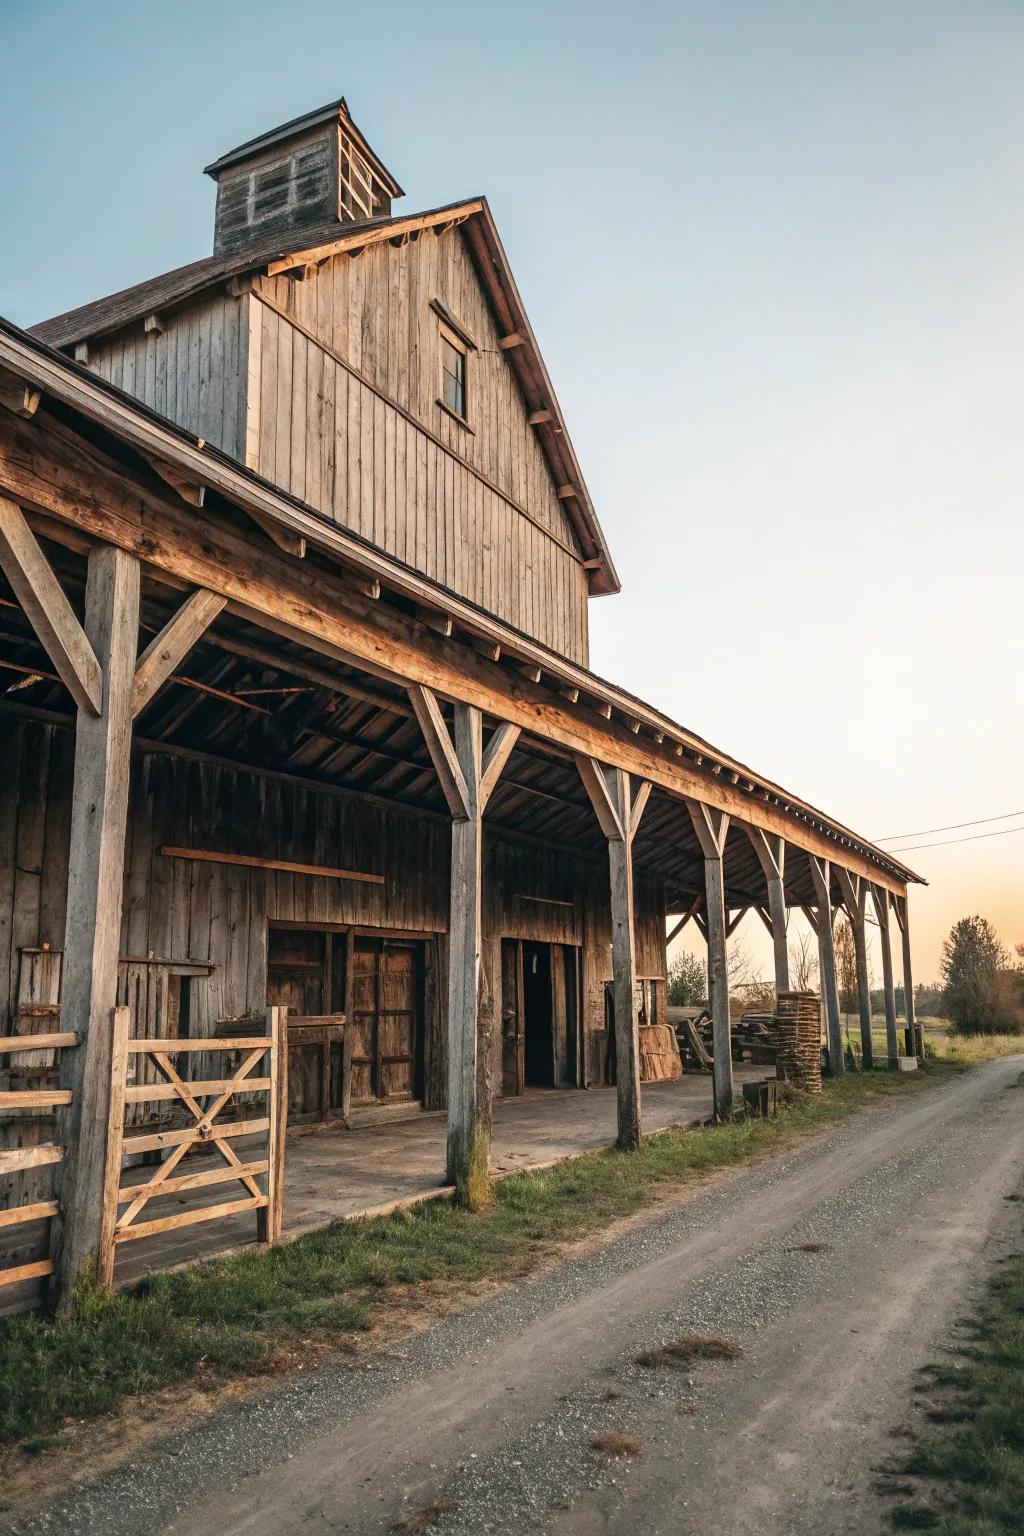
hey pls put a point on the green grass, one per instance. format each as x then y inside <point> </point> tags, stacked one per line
<point>970,1458</point>
<point>234,1316</point>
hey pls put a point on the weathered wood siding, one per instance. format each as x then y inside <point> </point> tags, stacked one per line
<point>337,401</point>
<point>192,371</point>
<point>191,911</point>
<point>329,388</point>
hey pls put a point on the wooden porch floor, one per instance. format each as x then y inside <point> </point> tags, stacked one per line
<point>332,1173</point>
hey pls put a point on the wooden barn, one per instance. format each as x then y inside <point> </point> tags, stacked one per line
<point>311,809</point>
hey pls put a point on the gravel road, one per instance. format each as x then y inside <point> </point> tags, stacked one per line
<point>839,1268</point>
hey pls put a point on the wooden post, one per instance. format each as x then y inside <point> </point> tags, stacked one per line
<point>771,853</point>
<point>121,1029</point>
<point>915,1034</point>
<point>270,1219</point>
<point>468,776</point>
<point>618,811</point>
<point>880,900</point>
<point>855,894</point>
<point>95,881</point>
<point>468,1119</point>
<point>821,874</point>
<point>712,829</point>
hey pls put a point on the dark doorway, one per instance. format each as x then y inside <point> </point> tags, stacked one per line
<point>538,1016</point>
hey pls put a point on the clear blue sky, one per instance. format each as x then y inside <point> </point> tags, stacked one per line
<point>773,253</point>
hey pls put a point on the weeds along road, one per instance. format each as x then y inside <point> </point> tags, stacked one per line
<point>839,1268</point>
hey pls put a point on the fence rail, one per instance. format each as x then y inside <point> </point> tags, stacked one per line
<point>19,1159</point>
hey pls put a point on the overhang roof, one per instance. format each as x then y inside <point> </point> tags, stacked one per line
<point>319,243</point>
<point>146,432</point>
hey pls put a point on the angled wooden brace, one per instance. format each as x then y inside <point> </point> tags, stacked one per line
<point>821,875</point>
<point>465,800</point>
<point>711,827</point>
<point>855,893</point>
<point>771,855</point>
<point>691,912</point>
<point>733,922</point>
<point>47,609</point>
<point>166,650</point>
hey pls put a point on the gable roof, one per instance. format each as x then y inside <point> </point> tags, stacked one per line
<point>320,243</point>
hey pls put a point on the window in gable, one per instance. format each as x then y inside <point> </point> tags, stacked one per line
<point>453,376</point>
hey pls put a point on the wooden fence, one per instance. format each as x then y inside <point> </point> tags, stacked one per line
<point>203,1103</point>
<point>15,1160</point>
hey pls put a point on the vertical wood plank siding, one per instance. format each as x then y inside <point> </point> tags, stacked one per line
<point>217,913</point>
<point>475,508</point>
<point>193,371</point>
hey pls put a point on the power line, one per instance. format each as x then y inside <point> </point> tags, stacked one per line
<point>954,826</point>
<point>946,841</point>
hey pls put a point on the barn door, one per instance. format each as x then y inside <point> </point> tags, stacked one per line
<point>387,1015</point>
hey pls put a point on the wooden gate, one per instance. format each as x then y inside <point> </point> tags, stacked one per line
<point>32,1047</point>
<point>201,1103</point>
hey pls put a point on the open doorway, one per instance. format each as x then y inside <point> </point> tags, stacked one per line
<point>540,1015</point>
<point>539,1065</point>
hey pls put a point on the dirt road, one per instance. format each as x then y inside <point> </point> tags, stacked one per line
<point>839,1268</point>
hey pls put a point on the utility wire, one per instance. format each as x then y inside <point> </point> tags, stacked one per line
<point>946,841</point>
<point>954,826</point>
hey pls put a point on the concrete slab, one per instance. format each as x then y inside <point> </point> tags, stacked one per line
<point>332,1172</point>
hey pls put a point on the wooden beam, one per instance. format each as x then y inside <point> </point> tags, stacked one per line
<point>539,418</point>
<point>442,753</point>
<point>513,339</point>
<point>191,491</point>
<point>915,1035</point>
<point>499,749</point>
<point>880,901</point>
<point>595,782</point>
<point>47,609</point>
<point>624,977</point>
<point>712,828</point>
<point>854,891</point>
<point>469,1115</point>
<point>17,396</point>
<point>821,876</point>
<point>250,861</point>
<point>172,644</point>
<point>356,241</point>
<point>690,912</point>
<point>771,854</point>
<point>734,919</point>
<point>51,478</point>
<point>287,540</point>
<point>638,806</point>
<point>99,814</point>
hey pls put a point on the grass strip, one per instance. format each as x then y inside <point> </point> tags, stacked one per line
<point>233,1316</point>
<point>967,1464</point>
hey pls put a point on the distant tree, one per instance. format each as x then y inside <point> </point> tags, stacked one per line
<point>846,967</point>
<point>687,982</point>
<point>983,994</point>
<point>803,963</point>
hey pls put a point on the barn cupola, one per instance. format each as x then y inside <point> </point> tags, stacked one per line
<point>307,174</point>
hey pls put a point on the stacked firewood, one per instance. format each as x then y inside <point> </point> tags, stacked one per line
<point>798,1039</point>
